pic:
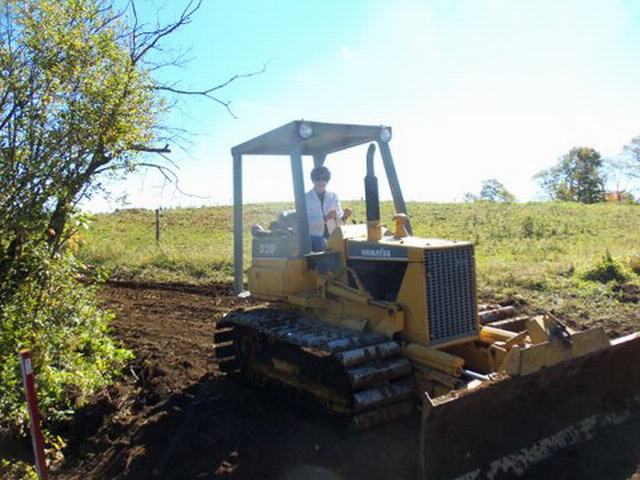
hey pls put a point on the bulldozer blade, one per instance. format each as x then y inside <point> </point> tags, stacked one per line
<point>503,428</point>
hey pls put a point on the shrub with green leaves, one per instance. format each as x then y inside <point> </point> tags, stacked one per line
<point>608,269</point>
<point>57,317</point>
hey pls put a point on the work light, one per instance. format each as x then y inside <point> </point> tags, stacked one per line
<point>385,134</point>
<point>305,130</point>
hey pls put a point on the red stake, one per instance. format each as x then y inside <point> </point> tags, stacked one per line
<point>37,440</point>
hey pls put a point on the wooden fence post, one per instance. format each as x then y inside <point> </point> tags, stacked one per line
<point>157,226</point>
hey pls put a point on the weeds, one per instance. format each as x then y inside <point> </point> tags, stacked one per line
<point>608,269</point>
<point>58,319</point>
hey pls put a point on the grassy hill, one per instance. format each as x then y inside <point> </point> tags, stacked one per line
<point>566,258</point>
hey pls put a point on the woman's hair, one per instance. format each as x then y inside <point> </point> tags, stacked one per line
<point>320,173</point>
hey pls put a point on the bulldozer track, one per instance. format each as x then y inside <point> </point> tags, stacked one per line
<point>359,375</point>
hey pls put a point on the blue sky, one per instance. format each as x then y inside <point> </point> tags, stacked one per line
<point>474,89</point>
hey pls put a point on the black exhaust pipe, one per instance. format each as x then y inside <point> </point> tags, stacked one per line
<point>372,198</point>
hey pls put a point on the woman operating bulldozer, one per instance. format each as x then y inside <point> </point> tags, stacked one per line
<point>323,209</point>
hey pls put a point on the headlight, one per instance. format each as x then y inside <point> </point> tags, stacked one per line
<point>305,130</point>
<point>385,134</point>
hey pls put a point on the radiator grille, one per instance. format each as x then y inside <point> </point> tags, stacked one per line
<point>451,302</point>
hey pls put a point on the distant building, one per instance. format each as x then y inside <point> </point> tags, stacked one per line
<point>614,196</point>
<point>617,197</point>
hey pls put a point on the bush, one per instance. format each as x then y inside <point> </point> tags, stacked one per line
<point>607,270</point>
<point>634,265</point>
<point>57,317</point>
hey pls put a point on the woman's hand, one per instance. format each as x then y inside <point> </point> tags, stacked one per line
<point>330,216</point>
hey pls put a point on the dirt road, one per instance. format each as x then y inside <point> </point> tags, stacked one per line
<point>175,416</point>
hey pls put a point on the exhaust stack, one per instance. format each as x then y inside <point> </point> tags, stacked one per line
<point>372,199</point>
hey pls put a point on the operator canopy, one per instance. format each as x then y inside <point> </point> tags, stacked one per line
<point>312,138</point>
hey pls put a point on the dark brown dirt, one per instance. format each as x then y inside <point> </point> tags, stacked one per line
<point>628,293</point>
<point>175,416</point>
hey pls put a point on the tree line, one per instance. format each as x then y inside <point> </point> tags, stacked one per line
<point>581,175</point>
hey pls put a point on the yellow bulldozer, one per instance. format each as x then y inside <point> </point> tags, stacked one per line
<point>383,323</point>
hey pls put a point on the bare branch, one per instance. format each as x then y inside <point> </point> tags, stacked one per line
<point>217,87</point>
<point>207,93</point>
<point>174,164</point>
<point>168,174</point>
<point>224,103</point>
<point>13,110</point>
<point>165,171</point>
<point>135,25</point>
<point>156,35</point>
<point>108,19</point>
<point>142,148</point>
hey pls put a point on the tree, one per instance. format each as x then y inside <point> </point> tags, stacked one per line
<point>494,191</point>
<point>73,102</point>
<point>628,165</point>
<point>469,197</point>
<point>633,151</point>
<point>78,98</point>
<point>578,177</point>
<point>491,191</point>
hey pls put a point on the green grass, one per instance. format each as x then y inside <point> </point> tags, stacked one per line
<point>196,244</point>
<point>535,254</point>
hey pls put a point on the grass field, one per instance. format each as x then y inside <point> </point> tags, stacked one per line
<point>552,256</point>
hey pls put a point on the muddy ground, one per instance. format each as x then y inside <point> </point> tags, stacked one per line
<point>175,416</point>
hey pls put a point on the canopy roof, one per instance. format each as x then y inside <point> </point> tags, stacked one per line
<point>326,138</point>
